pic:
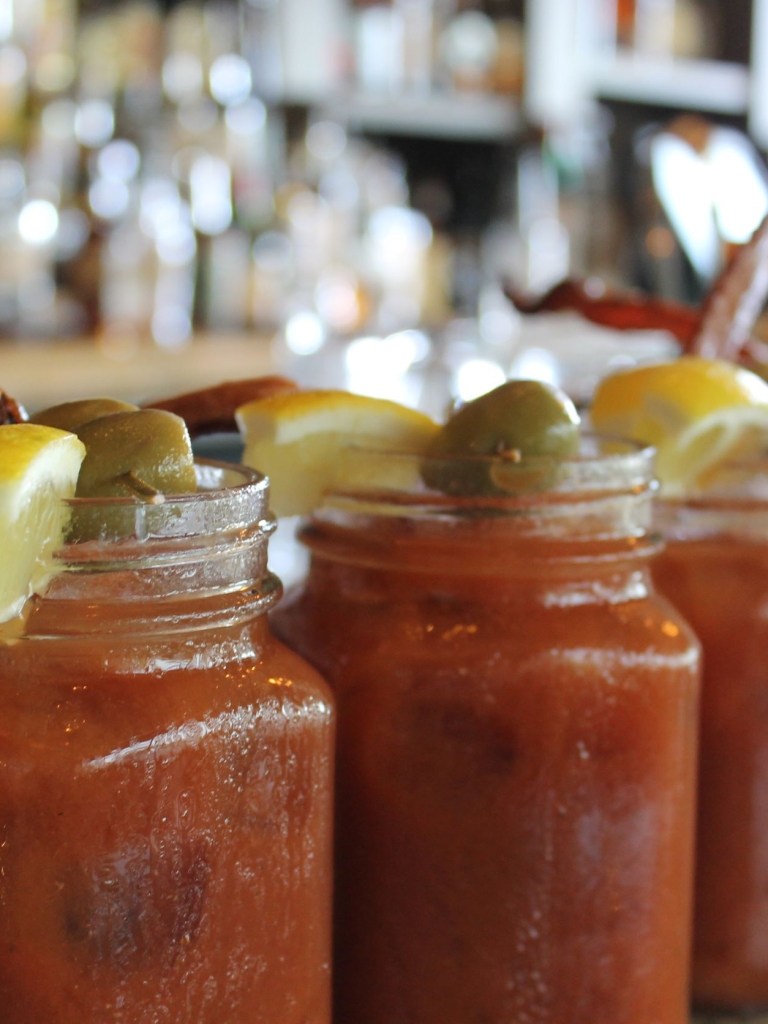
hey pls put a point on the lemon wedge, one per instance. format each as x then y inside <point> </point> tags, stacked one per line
<point>698,413</point>
<point>301,441</point>
<point>38,467</point>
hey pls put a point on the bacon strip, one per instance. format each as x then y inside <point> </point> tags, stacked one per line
<point>628,312</point>
<point>721,329</point>
<point>11,411</point>
<point>212,410</point>
<point>735,301</point>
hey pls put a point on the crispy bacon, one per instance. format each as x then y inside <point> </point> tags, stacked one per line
<point>11,411</point>
<point>212,410</point>
<point>625,312</point>
<point>721,329</point>
<point>735,301</point>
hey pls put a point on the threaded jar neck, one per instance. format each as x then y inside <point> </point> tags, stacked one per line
<point>596,506</point>
<point>125,561</point>
<point>734,505</point>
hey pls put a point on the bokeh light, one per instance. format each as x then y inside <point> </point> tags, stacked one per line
<point>38,222</point>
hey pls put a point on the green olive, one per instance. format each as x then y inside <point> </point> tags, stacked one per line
<point>519,420</point>
<point>72,415</point>
<point>139,453</point>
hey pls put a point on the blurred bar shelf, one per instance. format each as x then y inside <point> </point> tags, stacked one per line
<point>40,373</point>
<point>712,86</point>
<point>474,117</point>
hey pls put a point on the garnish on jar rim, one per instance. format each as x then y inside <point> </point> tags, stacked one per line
<point>698,413</point>
<point>520,419</point>
<point>300,440</point>
<point>143,454</point>
<point>38,468</point>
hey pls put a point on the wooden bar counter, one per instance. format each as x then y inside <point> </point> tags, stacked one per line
<point>41,373</point>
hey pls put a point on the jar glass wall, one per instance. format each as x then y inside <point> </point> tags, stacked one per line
<point>517,732</point>
<point>165,778</point>
<point>715,570</point>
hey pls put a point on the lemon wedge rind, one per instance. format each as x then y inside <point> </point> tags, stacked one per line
<point>698,413</point>
<point>688,461</point>
<point>310,442</point>
<point>38,468</point>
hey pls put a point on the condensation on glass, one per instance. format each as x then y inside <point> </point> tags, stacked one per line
<point>517,733</point>
<point>165,778</point>
<point>715,569</point>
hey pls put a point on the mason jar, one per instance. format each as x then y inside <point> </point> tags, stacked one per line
<point>165,777</point>
<point>517,743</point>
<point>715,569</point>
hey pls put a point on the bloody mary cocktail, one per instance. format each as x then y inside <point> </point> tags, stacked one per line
<point>715,569</point>
<point>165,779</point>
<point>516,755</point>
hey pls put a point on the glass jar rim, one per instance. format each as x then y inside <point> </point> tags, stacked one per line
<point>229,497</point>
<point>394,481</point>
<point>205,550</point>
<point>734,504</point>
<point>739,483</point>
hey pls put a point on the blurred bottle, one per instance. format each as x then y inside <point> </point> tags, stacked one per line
<point>14,85</point>
<point>261,46</point>
<point>544,254</point>
<point>379,49</point>
<point>508,69</point>
<point>655,27</point>
<point>469,49</point>
<point>625,22</point>
<point>418,41</point>
<point>668,28</point>
<point>314,48</point>
<point>695,32</point>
